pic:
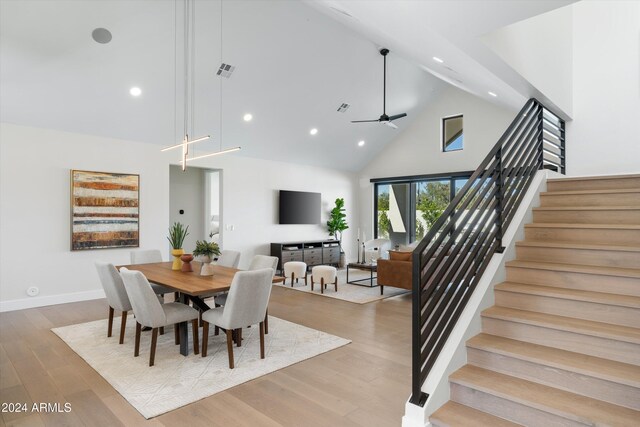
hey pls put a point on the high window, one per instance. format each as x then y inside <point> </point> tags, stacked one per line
<point>452,133</point>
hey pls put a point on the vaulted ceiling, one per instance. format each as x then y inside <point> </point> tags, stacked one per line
<point>296,62</point>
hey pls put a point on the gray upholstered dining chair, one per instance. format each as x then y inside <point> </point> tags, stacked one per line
<point>246,305</point>
<point>229,258</point>
<point>116,294</point>
<point>149,312</point>
<point>146,256</point>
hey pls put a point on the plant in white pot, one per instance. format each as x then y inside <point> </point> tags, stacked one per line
<point>204,252</point>
<point>337,224</point>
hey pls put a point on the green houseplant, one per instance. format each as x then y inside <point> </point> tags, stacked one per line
<point>177,234</point>
<point>206,251</point>
<point>337,224</point>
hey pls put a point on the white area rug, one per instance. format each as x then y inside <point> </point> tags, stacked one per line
<point>347,292</point>
<point>176,380</point>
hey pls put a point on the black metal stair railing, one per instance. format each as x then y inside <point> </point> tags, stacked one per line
<point>450,260</point>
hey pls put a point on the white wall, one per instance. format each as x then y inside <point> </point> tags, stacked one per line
<point>250,202</point>
<point>35,211</point>
<point>186,192</point>
<point>604,135</point>
<point>540,50</point>
<point>417,150</point>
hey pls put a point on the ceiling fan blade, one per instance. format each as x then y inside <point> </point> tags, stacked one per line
<point>390,124</point>
<point>364,121</point>
<point>397,116</point>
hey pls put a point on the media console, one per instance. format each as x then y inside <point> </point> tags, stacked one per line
<point>312,252</point>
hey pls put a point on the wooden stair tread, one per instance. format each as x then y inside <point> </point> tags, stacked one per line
<point>569,324</point>
<point>575,268</point>
<point>578,225</point>
<point>571,245</point>
<point>599,191</point>
<point>558,402</point>
<point>571,294</point>
<point>587,208</point>
<point>594,178</point>
<point>457,415</point>
<point>597,367</point>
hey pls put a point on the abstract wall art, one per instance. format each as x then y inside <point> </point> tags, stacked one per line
<point>104,210</point>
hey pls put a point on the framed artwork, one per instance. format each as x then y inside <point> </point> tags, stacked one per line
<point>104,210</point>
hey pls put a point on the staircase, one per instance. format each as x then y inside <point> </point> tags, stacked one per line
<point>561,346</point>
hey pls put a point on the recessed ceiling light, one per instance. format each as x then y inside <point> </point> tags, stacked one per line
<point>247,117</point>
<point>435,58</point>
<point>492,94</point>
<point>360,143</point>
<point>135,91</point>
<point>313,131</point>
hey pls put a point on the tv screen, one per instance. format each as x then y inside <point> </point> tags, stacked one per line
<point>299,207</point>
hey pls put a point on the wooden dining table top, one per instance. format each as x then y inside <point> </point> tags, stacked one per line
<point>190,283</point>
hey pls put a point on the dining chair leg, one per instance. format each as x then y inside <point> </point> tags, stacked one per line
<point>266,322</point>
<point>136,351</point>
<point>261,340</point>
<point>205,338</point>
<point>161,330</point>
<point>196,342</point>
<point>322,285</point>
<point>311,283</point>
<point>176,296</point>
<point>110,327</point>
<point>292,276</point>
<point>230,348</point>
<point>305,279</point>
<point>216,331</point>
<point>239,337</point>
<point>336,283</point>
<point>176,330</point>
<point>200,318</point>
<point>123,324</point>
<point>154,341</point>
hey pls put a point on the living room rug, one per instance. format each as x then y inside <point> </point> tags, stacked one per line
<point>176,380</point>
<point>347,292</point>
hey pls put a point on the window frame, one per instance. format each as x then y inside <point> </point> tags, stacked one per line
<point>442,141</point>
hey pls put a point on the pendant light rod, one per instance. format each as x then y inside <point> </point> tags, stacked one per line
<point>217,153</point>
<point>187,143</point>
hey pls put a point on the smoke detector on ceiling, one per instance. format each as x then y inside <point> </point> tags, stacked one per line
<point>225,70</point>
<point>343,108</point>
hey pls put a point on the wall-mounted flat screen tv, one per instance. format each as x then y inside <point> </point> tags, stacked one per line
<point>299,207</point>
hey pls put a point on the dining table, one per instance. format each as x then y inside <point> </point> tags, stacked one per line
<point>190,286</point>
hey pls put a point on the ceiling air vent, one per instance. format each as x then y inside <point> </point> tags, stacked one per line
<point>343,108</point>
<point>225,70</point>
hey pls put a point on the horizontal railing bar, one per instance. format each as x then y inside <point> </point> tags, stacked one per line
<point>524,138</point>
<point>531,140</point>
<point>551,162</point>
<point>559,156</point>
<point>526,157</point>
<point>512,143</point>
<point>519,187</point>
<point>546,141</point>
<point>550,123</point>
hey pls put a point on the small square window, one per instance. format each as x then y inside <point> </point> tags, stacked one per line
<point>452,133</point>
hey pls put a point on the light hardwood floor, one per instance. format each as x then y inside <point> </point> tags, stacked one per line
<point>365,383</point>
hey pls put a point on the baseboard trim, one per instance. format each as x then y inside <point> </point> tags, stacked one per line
<point>24,303</point>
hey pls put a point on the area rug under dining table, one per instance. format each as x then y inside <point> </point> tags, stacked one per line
<point>176,380</point>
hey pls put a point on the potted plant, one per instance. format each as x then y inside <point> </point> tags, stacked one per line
<point>337,224</point>
<point>177,233</point>
<point>205,251</point>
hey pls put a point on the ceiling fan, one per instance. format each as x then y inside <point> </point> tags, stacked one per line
<point>384,119</point>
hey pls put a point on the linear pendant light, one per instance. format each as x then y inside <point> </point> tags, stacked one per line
<point>189,68</point>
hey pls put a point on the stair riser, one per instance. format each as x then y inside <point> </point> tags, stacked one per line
<point>626,216</point>
<point>624,316</point>
<point>597,257</point>
<point>574,382</point>
<point>594,346</point>
<point>598,199</point>
<point>594,184</point>
<point>578,281</point>
<point>608,236</point>
<point>512,411</point>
